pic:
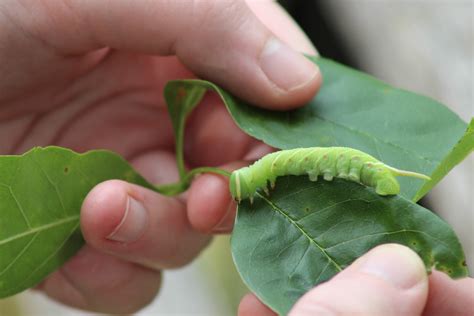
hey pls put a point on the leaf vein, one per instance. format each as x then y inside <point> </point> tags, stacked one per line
<point>9,186</point>
<point>288,246</point>
<point>321,273</point>
<point>290,275</point>
<point>19,254</point>
<point>39,229</point>
<point>51,255</point>
<point>20,208</point>
<point>41,168</point>
<point>301,229</point>
<point>257,244</point>
<point>393,233</point>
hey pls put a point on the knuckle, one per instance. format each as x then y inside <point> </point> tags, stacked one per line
<point>222,13</point>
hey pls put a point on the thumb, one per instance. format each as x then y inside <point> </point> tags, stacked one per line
<point>388,280</point>
<point>218,40</point>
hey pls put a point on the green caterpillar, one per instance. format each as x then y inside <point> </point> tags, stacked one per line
<point>340,162</point>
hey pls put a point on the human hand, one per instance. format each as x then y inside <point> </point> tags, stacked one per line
<point>88,74</point>
<point>388,280</point>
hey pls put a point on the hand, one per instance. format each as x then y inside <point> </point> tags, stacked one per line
<point>88,74</point>
<point>388,280</point>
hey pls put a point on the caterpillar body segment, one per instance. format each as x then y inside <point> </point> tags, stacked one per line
<point>328,162</point>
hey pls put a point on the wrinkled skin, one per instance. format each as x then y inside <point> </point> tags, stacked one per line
<point>90,74</point>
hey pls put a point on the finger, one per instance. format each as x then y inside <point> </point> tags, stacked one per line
<point>138,225</point>
<point>389,280</point>
<point>211,208</point>
<point>95,281</point>
<point>157,166</point>
<point>449,297</point>
<point>211,126</point>
<point>219,40</point>
<point>258,150</point>
<point>251,305</point>
<point>273,16</point>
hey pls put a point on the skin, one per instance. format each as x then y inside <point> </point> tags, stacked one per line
<point>90,74</point>
<point>388,280</point>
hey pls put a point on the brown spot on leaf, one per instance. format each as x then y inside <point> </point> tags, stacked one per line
<point>180,94</point>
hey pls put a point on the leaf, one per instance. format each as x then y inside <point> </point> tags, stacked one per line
<point>181,99</point>
<point>400,128</point>
<point>41,194</point>
<point>182,96</point>
<point>464,147</point>
<point>306,232</point>
<point>353,109</point>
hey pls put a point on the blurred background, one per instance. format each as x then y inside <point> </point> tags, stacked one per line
<point>422,46</point>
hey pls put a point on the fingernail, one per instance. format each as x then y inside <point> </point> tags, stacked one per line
<point>286,68</point>
<point>395,264</point>
<point>133,223</point>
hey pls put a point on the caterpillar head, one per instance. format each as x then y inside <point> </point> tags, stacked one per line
<point>387,185</point>
<point>238,186</point>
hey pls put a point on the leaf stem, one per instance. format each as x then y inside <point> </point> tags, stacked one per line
<point>182,185</point>
<point>179,151</point>
<point>200,170</point>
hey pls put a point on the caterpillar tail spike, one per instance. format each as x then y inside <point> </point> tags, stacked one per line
<point>330,162</point>
<point>405,173</point>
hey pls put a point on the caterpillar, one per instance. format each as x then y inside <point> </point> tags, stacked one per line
<point>340,162</point>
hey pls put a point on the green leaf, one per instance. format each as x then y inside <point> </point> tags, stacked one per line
<point>181,99</point>
<point>464,147</point>
<point>306,232</point>
<point>41,194</point>
<point>353,109</point>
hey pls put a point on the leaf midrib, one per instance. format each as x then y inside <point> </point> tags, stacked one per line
<point>39,229</point>
<point>324,249</point>
<point>301,229</point>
